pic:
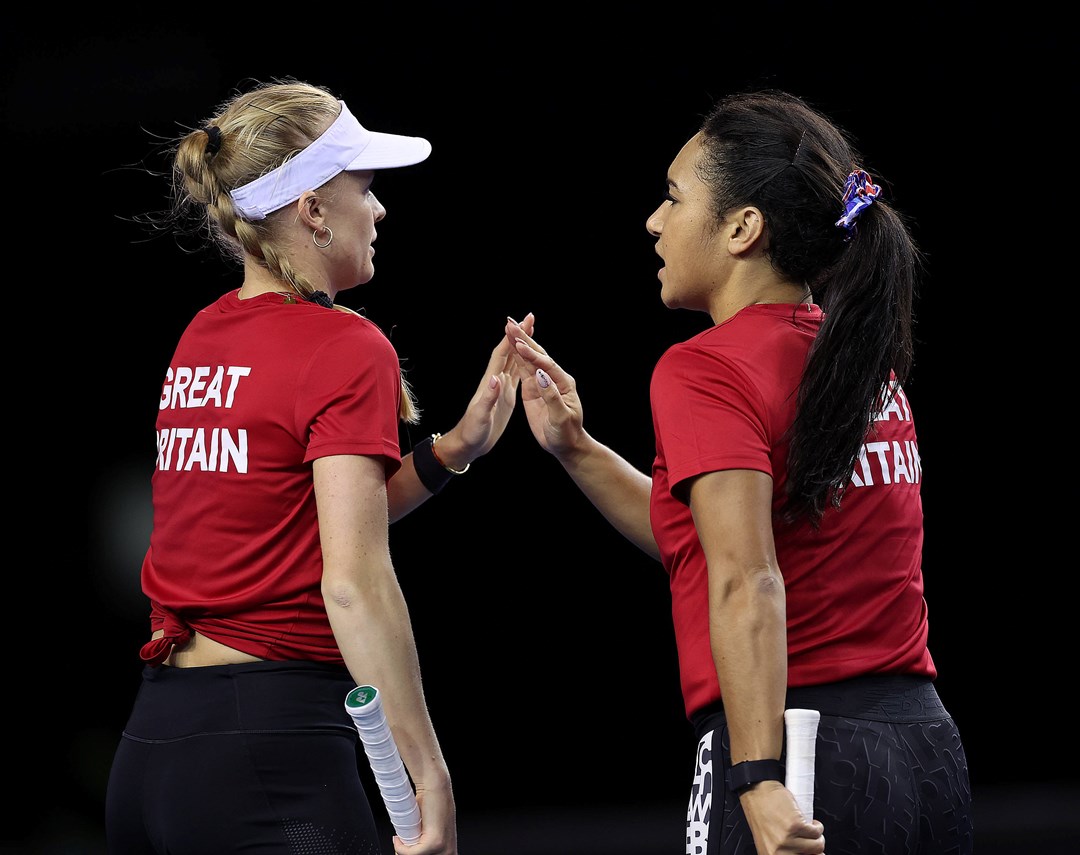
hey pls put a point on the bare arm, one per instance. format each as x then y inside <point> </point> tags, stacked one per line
<point>372,627</point>
<point>615,487</point>
<point>475,434</point>
<point>748,632</point>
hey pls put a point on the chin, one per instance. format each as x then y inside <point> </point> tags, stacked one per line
<point>669,300</point>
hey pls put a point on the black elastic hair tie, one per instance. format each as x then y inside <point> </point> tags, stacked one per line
<point>213,144</point>
<point>320,298</point>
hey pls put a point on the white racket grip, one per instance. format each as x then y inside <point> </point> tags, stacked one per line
<point>365,707</point>
<point>801,733</point>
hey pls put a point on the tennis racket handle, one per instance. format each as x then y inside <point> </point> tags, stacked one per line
<point>801,734</point>
<point>364,705</point>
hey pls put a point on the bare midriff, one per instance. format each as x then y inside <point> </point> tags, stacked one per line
<point>202,651</point>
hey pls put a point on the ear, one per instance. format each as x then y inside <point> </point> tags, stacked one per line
<point>746,230</point>
<point>309,210</point>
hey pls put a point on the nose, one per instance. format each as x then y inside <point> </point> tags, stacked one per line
<point>655,223</point>
<point>380,211</point>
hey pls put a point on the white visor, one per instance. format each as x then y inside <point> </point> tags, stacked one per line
<point>345,145</point>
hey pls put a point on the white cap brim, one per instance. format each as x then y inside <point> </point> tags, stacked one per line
<point>344,146</point>
<point>388,151</point>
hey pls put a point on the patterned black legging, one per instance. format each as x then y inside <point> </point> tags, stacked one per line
<point>891,776</point>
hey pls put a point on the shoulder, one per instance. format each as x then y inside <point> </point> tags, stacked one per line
<point>708,369</point>
<point>348,333</point>
<point>690,356</point>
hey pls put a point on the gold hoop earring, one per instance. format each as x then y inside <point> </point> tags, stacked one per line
<point>329,240</point>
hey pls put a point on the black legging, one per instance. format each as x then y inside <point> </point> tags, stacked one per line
<point>891,774</point>
<point>259,757</point>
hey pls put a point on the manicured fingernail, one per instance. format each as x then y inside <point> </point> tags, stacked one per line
<point>511,319</point>
<point>493,381</point>
<point>542,378</point>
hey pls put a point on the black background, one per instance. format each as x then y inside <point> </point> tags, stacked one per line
<point>544,638</point>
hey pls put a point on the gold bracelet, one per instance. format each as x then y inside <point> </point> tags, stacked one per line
<point>435,437</point>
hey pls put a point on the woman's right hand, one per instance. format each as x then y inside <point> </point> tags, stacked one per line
<point>438,828</point>
<point>776,823</point>
<point>548,395</point>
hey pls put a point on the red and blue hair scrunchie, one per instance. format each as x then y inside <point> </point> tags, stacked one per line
<point>860,191</point>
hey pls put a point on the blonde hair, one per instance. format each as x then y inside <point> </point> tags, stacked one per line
<point>250,134</point>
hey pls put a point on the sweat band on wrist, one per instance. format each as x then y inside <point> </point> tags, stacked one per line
<point>743,775</point>
<point>432,474</point>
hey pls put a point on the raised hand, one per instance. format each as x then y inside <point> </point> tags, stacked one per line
<point>491,406</point>
<point>548,393</point>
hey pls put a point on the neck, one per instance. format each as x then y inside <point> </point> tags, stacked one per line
<point>258,280</point>
<point>784,293</point>
<point>776,292</point>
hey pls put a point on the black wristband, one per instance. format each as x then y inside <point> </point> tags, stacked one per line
<point>431,473</point>
<point>749,772</point>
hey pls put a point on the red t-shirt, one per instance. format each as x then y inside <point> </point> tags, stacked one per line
<point>723,400</point>
<point>256,390</point>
